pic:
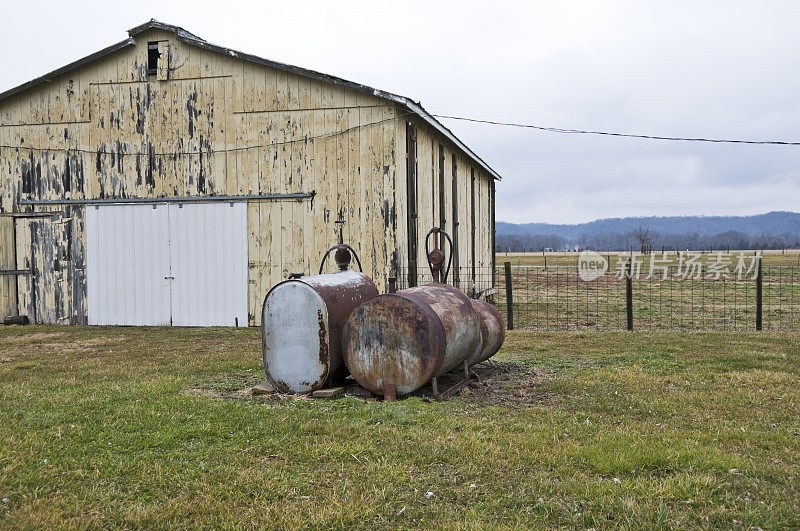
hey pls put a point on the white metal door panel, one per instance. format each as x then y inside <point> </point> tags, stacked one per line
<point>127,264</point>
<point>209,262</point>
<point>174,264</point>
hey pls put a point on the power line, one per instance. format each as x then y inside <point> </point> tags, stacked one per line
<point>625,135</point>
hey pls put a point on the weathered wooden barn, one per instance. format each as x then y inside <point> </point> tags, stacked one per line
<point>167,180</point>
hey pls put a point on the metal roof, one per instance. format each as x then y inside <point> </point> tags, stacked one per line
<point>189,38</point>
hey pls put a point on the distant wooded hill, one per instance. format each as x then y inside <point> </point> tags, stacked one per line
<point>774,230</point>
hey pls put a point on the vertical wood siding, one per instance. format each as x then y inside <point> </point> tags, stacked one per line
<point>435,202</point>
<point>8,304</point>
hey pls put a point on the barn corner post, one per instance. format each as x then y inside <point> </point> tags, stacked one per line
<point>492,228</point>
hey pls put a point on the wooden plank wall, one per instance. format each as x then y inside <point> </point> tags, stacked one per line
<point>323,138</point>
<point>216,125</point>
<point>8,305</point>
<point>55,291</point>
<point>428,200</point>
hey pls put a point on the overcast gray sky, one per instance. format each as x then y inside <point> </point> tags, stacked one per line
<point>722,69</point>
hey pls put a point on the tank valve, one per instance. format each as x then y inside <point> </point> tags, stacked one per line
<point>436,256</point>
<point>342,255</point>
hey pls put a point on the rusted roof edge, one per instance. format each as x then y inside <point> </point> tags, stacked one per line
<point>57,72</point>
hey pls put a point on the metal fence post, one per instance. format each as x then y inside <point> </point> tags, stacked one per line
<point>509,298</point>
<point>412,273</point>
<point>759,293</point>
<point>629,294</point>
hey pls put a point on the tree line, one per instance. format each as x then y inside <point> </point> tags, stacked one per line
<point>643,237</point>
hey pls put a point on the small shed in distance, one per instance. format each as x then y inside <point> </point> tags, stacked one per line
<point>167,180</point>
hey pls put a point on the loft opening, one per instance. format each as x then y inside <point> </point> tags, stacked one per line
<point>153,55</point>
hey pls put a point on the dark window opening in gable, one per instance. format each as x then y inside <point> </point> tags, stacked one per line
<point>152,58</point>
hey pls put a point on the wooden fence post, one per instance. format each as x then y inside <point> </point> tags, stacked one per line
<point>629,294</point>
<point>509,298</point>
<point>759,293</point>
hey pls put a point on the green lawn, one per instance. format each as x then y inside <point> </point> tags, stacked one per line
<point>135,427</point>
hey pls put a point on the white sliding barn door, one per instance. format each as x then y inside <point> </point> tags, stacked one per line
<point>208,249</point>
<point>167,264</point>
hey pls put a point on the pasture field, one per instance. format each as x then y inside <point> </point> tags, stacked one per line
<point>155,427</point>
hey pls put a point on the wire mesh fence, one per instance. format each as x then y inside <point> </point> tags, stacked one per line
<point>556,298</point>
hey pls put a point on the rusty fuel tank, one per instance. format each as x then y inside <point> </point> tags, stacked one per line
<point>406,338</point>
<point>493,331</point>
<point>302,324</point>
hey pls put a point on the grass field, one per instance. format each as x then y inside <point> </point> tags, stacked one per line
<point>141,427</point>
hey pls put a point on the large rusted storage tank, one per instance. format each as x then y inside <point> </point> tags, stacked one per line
<point>493,331</point>
<point>407,338</point>
<point>302,324</point>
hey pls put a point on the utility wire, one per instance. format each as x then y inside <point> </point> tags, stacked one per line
<point>443,116</point>
<point>626,135</point>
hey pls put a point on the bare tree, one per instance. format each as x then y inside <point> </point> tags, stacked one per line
<point>642,235</point>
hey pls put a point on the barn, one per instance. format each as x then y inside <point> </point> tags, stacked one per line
<point>166,180</point>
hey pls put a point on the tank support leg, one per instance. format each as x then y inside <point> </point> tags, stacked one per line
<point>457,387</point>
<point>435,388</point>
<point>389,393</point>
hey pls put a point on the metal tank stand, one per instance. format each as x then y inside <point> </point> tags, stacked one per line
<point>451,391</point>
